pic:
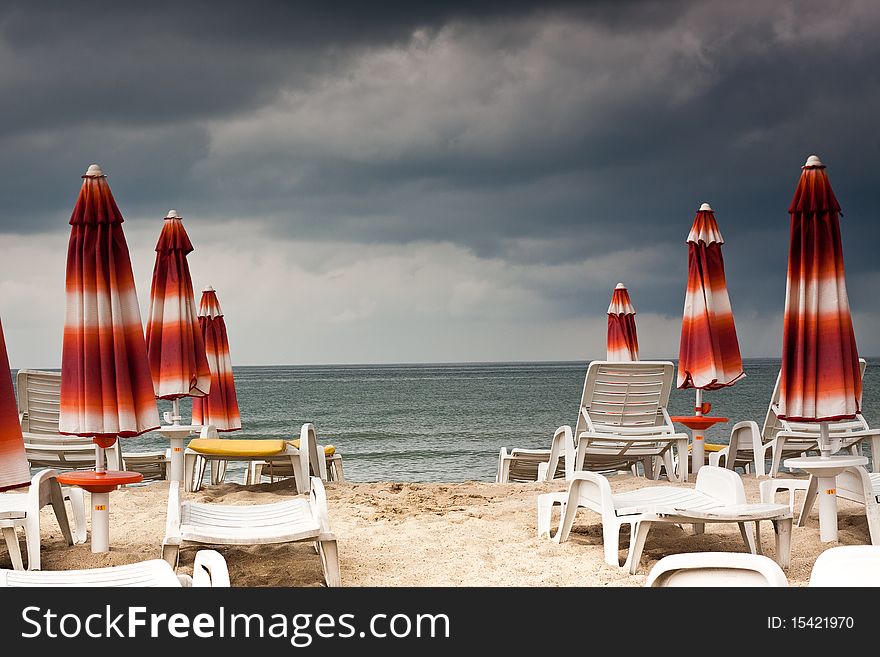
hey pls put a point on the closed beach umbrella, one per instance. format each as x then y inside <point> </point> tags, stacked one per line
<point>106,387</point>
<point>708,356</point>
<point>220,406</point>
<point>175,346</point>
<point>820,378</point>
<point>622,343</point>
<point>14,467</point>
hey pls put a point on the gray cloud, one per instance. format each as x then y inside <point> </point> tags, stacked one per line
<point>528,135</point>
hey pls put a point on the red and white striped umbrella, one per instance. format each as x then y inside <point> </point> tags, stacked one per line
<point>220,406</point>
<point>14,468</point>
<point>175,345</point>
<point>106,388</point>
<point>820,378</point>
<point>622,343</point>
<point>708,356</point>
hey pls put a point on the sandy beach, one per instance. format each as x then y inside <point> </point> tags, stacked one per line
<point>421,534</point>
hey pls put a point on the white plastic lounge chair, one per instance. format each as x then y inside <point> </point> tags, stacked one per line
<point>622,421</point>
<point>23,510</point>
<point>282,468</point>
<point>847,565</point>
<point>216,451</point>
<point>523,465</point>
<point>719,496</point>
<point>716,569</point>
<point>293,520</point>
<point>209,570</point>
<point>39,394</point>
<point>782,439</point>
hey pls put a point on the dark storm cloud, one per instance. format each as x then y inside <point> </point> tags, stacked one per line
<point>528,132</point>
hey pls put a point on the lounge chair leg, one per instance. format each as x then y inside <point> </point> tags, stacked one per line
<point>699,528</point>
<point>637,538</point>
<point>758,546</point>
<point>809,498</point>
<point>748,536</point>
<point>11,537</point>
<point>57,500</point>
<point>32,541</point>
<point>546,502</point>
<point>78,509</point>
<point>777,457</point>
<point>783,542</point>
<point>171,554</point>
<point>330,561</point>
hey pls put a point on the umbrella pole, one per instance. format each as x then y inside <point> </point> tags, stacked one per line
<point>99,459</point>
<point>698,451</point>
<point>175,411</point>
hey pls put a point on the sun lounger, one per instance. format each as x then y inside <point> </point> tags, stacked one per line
<point>711,569</point>
<point>209,569</point>
<point>293,520</point>
<point>211,449</point>
<point>719,496</point>
<point>847,566</point>
<point>39,394</point>
<point>622,423</point>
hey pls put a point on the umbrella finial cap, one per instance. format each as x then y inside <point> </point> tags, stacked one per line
<point>207,288</point>
<point>94,171</point>
<point>705,208</point>
<point>172,214</point>
<point>813,161</point>
<point>620,286</point>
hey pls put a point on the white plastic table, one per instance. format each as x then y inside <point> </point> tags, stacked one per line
<point>175,434</point>
<point>825,470</point>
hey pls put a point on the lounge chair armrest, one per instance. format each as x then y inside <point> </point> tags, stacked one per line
<point>318,503</point>
<point>39,494</point>
<point>593,490</point>
<point>210,569</point>
<point>660,430</point>
<point>562,445</point>
<point>628,437</point>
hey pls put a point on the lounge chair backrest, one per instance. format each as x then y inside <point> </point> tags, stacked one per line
<point>847,566</point>
<point>716,569</point>
<point>625,394</point>
<point>39,403</point>
<point>39,395</point>
<point>773,425</point>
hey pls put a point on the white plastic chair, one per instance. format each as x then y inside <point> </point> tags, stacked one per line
<point>22,510</point>
<point>293,520</point>
<point>712,569</point>
<point>622,422</point>
<point>847,565</point>
<point>778,438</point>
<point>719,496</point>
<point>209,569</point>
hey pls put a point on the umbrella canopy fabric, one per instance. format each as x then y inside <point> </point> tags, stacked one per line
<point>708,355</point>
<point>106,388</point>
<point>220,406</point>
<point>175,346</point>
<point>820,378</point>
<point>14,467</point>
<point>622,343</point>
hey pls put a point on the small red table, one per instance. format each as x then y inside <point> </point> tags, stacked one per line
<point>100,484</point>
<point>697,424</point>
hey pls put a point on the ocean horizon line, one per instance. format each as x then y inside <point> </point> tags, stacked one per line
<point>451,363</point>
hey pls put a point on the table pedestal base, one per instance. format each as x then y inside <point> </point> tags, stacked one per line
<point>827,509</point>
<point>100,522</point>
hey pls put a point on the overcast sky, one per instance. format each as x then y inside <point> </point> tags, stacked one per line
<point>465,183</point>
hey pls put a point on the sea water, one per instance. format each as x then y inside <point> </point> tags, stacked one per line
<point>447,422</point>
